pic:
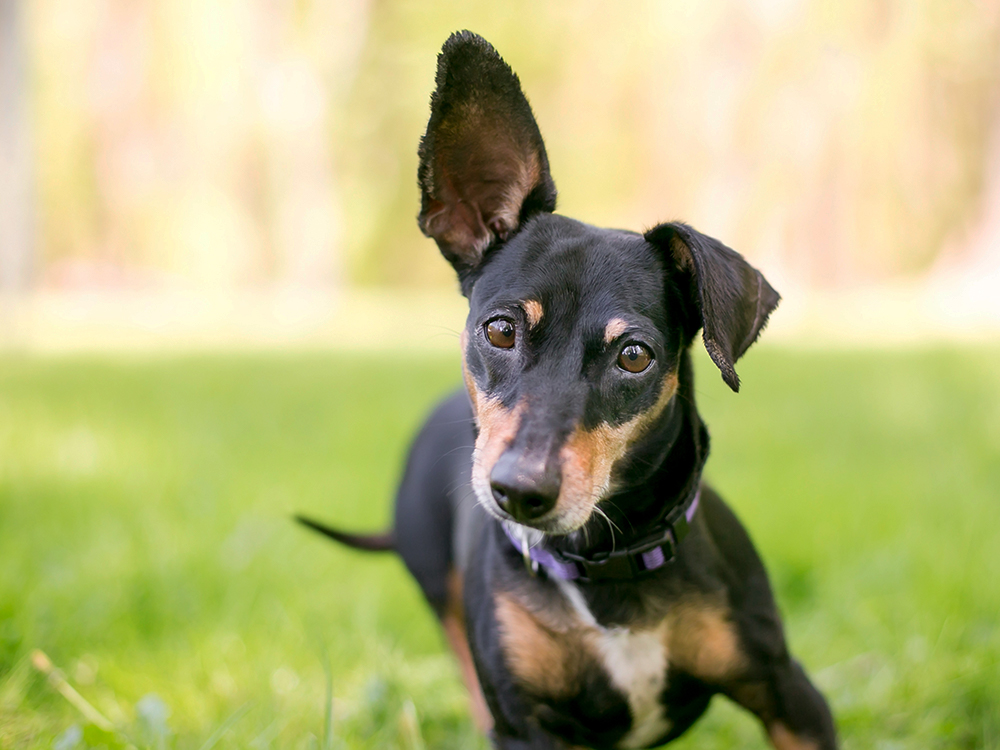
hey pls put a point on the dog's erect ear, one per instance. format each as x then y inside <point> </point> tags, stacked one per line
<point>483,168</point>
<point>731,298</point>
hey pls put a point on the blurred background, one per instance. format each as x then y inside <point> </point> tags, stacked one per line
<point>216,310</point>
<point>245,171</point>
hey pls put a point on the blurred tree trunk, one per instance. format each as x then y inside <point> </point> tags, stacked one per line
<point>984,246</point>
<point>16,195</point>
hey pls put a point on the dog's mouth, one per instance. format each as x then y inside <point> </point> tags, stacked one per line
<point>557,522</point>
<point>585,464</point>
<point>559,505</point>
<point>585,469</point>
<point>553,487</point>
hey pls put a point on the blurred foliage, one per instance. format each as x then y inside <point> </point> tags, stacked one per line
<point>249,143</point>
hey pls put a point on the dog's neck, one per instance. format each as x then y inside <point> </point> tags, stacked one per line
<point>668,462</point>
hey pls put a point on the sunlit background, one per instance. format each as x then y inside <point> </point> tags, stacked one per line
<point>216,310</point>
<point>245,171</point>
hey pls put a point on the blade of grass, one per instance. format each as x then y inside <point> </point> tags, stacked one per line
<point>409,725</point>
<point>57,680</point>
<point>328,713</point>
<point>225,726</point>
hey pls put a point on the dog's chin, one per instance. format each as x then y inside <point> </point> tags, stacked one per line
<point>560,524</point>
<point>556,527</point>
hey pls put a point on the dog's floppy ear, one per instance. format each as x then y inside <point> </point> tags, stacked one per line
<point>483,168</point>
<point>731,298</point>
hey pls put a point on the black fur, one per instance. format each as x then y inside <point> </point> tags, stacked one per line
<point>732,298</point>
<point>574,298</point>
<point>481,132</point>
<point>368,542</point>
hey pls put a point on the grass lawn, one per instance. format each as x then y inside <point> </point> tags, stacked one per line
<point>146,546</point>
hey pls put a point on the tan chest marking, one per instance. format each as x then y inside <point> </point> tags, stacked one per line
<point>703,641</point>
<point>548,652</point>
<point>545,657</point>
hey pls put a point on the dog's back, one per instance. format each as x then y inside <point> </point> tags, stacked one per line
<point>436,510</point>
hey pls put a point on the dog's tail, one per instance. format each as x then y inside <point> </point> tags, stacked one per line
<point>369,542</point>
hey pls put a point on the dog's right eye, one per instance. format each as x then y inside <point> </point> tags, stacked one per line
<point>500,332</point>
<point>635,358</point>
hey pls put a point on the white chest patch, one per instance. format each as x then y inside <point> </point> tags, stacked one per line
<point>636,662</point>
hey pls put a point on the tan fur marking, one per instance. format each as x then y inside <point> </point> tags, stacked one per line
<point>615,328</point>
<point>533,309</point>
<point>549,648</point>
<point>470,383</point>
<point>784,739</point>
<point>497,429</point>
<point>539,657</point>
<point>588,458</point>
<point>703,641</point>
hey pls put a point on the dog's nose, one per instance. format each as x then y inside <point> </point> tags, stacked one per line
<point>523,488</point>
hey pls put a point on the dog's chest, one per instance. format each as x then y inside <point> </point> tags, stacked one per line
<point>636,664</point>
<point>608,682</point>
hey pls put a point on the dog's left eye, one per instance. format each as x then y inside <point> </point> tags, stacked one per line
<point>635,358</point>
<point>500,332</point>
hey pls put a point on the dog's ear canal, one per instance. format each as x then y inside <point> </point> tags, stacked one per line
<point>725,296</point>
<point>483,167</point>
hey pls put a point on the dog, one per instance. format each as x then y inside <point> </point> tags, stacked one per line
<point>596,592</point>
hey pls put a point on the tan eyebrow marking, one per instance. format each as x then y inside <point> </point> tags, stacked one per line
<point>533,309</point>
<point>615,328</point>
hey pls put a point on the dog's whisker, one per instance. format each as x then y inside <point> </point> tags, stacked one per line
<point>445,455</point>
<point>611,525</point>
<point>621,513</point>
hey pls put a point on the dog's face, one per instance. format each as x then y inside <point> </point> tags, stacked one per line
<point>575,333</point>
<point>570,356</point>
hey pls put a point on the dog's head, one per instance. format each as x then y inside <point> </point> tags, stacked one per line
<point>575,334</point>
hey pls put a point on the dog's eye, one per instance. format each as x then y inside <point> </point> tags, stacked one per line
<point>500,333</point>
<point>635,358</point>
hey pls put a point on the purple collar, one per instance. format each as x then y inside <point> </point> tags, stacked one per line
<point>649,553</point>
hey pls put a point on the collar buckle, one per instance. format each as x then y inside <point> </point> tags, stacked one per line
<point>630,562</point>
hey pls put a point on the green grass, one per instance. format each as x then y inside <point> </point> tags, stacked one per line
<point>146,546</point>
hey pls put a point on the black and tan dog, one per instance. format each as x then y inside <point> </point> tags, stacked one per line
<point>596,592</point>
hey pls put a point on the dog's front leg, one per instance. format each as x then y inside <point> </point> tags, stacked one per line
<point>794,713</point>
<point>513,724</point>
<point>454,629</point>
<point>804,721</point>
<point>536,739</point>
